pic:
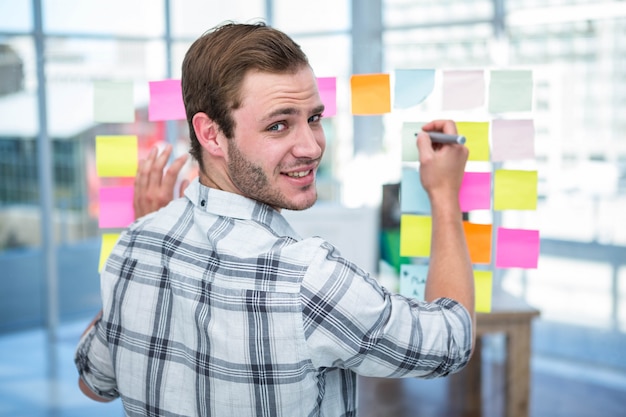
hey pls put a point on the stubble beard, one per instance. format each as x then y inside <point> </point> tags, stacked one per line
<point>253,183</point>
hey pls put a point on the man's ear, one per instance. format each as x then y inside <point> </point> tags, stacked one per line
<point>208,134</point>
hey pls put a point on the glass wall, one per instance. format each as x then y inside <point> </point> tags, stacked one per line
<point>577,53</point>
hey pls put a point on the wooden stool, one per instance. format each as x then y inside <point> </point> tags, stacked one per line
<point>511,316</point>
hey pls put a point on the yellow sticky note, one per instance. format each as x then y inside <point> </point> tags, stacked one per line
<point>483,283</point>
<point>478,238</point>
<point>415,234</point>
<point>477,139</point>
<point>116,156</point>
<point>108,241</point>
<point>515,190</point>
<point>371,94</point>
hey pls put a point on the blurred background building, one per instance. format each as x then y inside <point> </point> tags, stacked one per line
<point>51,52</point>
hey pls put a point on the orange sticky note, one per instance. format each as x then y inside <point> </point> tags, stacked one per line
<point>371,94</point>
<point>415,234</point>
<point>478,238</point>
<point>483,284</point>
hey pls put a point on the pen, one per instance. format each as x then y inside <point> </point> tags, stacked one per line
<point>438,137</point>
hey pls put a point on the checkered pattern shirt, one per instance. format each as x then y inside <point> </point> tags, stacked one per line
<point>214,306</point>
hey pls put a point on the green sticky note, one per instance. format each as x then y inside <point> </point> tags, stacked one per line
<point>515,190</point>
<point>483,283</point>
<point>415,232</point>
<point>113,102</point>
<point>510,91</point>
<point>477,139</point>
<point>409,141</point>
<point>116,155</point>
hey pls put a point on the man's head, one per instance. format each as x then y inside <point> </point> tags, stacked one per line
<point>254,113</point>
<point>215,66</point>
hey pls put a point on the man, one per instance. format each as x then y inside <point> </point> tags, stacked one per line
<point>213,305</point>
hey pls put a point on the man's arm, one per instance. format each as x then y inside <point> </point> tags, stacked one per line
<point>450,271</point>
<point>81,384</point>
<point>153,187</point>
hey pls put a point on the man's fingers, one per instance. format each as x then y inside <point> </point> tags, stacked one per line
<point>445,126</point>
<point>171,175</point>
<point>156,170</point>
<point>143,169</point>
<point>154,186</point>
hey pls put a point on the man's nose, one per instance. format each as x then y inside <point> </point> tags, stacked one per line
<point>309,143</point>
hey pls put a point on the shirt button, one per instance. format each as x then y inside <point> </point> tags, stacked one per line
<point>203,203</point>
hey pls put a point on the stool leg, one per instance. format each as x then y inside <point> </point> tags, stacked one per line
<point>518,371</point>
<point>465,386</point>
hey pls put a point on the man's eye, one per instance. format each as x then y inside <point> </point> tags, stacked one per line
<point>278,127</point>
<point>315,118</point>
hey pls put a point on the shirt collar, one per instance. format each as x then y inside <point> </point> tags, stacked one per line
<point>227,204</point>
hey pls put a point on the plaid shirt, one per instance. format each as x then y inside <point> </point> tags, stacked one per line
<point>214,306</point>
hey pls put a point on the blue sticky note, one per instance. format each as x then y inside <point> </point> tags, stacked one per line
<point>412,86</point>
<point>413,281</point>
<point>413,197</point>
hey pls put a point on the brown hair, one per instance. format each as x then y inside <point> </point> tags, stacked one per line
<point>215,66</point>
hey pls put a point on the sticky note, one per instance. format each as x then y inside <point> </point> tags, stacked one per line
<point>415,233</point>
<point>515,190</point>
<point>409,141</point>
<point>116,156</point>
<point>478,238</point>
<point>512,140</point>
<point>412,86</point>
<point>477,139</point>
<point>327,87</point>
<point>510,91</point>
<point>371,94</point>
<point>517,248</point>
<point>463,90</point>
<point>166,101</point>
<point>483,291</point>
<point>475,192</point>
<point>413,197</point>
<point>413,281</point>
<point>113,102</point>
<point>106,246</point>
<point>116,207</point>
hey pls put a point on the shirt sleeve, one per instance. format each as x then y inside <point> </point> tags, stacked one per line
<point>94,365</point>
<point>351,322</point>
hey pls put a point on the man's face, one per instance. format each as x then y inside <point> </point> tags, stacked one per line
<point>278,139</point>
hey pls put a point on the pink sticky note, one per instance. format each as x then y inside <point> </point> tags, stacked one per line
<point>517,248</point>
<point>463,89</point>
<point>512,139</point>
<point>327,87</point>
<point>116,207</point>
<point>475,193</point>
<point>166,101</point>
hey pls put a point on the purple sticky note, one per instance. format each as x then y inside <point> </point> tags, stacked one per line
<point>116,207</point>
<point>517,248</point>
<point>327,87</point>
<point>166,101</point>
<point>512,140</point>
<point>475,193</point>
